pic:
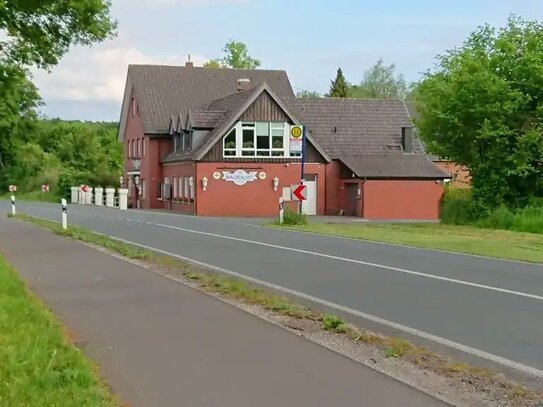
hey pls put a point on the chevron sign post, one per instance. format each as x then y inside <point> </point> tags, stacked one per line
<point>13,188</point>
<point>45,188</point>
<point>299,192</point>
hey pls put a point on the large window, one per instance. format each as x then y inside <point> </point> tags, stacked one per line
<point>257,139</point>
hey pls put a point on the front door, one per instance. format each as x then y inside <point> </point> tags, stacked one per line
<point>309,206</point>
<point>353,202</point>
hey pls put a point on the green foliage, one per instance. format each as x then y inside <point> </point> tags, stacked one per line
<point>528,219</point>
<point>483,108</point>
<point>306,94</point>
<point>63,154</point>
<point>333,323</point>
<point>291,217</point>
<point>380,82</point>
<point>456,207</point>
<point>459,208</point>
<point>236,55</point>
<point>339,87</point>
<point>40,32</point>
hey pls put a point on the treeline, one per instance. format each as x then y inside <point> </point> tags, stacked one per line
<point>62,154</point>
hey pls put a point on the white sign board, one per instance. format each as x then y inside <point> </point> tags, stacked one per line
<point>296,139</point>
<point>239,177</point>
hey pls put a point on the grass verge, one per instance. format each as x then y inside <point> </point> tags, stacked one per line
<point>235,289</point>
<point>39,364</point>
<point>462,239</point>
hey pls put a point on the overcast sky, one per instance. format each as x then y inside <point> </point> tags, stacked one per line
<point>309,39</point>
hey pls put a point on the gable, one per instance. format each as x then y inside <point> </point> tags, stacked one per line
<point>265,109</point>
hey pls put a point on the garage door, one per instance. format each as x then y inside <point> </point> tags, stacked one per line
<point>309,206</point>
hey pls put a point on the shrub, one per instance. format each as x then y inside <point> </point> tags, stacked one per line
<point>333,323</point>
<point>456,206</point>
<point>501,218</point>
<point>294,218</point>
<point>529,219</point>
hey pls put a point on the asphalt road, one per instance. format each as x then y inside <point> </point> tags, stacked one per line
<point>482,306</point>
<point>161,343</point>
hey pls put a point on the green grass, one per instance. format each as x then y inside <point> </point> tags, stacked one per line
<point>39,366</point>
<point>463,239</point>
<point>32,196</point>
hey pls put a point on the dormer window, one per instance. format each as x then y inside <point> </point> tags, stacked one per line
<point>257,139</point>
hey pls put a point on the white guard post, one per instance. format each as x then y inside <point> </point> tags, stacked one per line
<point>123,199</point>
<point>64,208</point>
<point>110,197</point>
<point>75,194</point>
<point>281,209</point>
<point>13,205</point>
<point>88,197</point>
<point>99,196</point>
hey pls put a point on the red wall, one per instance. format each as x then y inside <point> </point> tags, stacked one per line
<point>334,188</point>
<point>256,198</point>
<point>402,199</point>
<point>184,169</point>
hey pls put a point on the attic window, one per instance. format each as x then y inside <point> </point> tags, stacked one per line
<point>134,107</point>
<point>229,146</point>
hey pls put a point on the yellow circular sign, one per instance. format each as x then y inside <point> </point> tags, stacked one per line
<point>296,132</point>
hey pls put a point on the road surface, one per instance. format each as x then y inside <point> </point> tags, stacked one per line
<point>161,343</point>
<point>487,307</point>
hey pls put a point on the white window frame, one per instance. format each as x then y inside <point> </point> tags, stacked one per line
<point>180,190</point>
<point>186,189</point>
<point>143,192</point>
<point>191,187</point>
<point>175,185</point>
<point>240,126</point>
<point>143,147</point>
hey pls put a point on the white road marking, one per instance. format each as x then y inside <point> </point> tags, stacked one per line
<point>412,331</point>
<point>365,263</point>
<point>403,328</point>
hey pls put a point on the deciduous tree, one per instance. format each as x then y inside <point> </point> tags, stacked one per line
<point>236,55</point>
<point>483,107</point>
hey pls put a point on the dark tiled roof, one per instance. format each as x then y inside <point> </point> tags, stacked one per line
<point>394,166</point>
<point>366,135</point>
<point>230,107</point>
<point>165,91</point>
<point>414,114</point>
<point>355,126</point>
<point>205,119</point>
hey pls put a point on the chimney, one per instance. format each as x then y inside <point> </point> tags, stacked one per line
<point>244,84</point>
<point>189,63</point>
<point>407,139</point>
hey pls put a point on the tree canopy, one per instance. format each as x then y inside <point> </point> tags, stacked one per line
<point>380,82</point>
<point>483,107</point>
<point>64,154</point>
<point>307,94</point>
<point>37,33</point>
<point>236,55</point>
<point>40,32</point>
<point>339,87</point>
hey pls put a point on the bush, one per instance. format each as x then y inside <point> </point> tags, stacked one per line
<point>529,219</point>
<point>457,207</point>
<point>501,218</point>
<point>294,218</point>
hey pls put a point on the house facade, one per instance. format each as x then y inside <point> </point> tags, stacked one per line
<point>225,142</point>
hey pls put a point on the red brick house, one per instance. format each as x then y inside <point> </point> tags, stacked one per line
<point>218,142</point>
